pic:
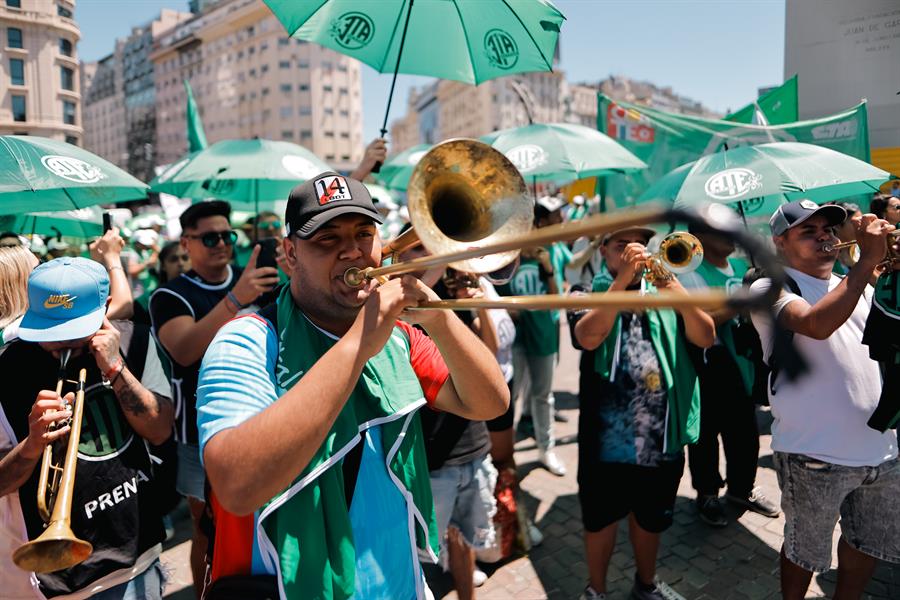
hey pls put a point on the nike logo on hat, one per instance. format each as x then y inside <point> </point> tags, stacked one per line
<point>57,300</point>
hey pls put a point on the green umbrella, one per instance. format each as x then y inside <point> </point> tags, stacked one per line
<point>40,173</point>
<point>80,222</point>
<point>381,195</point>
<point>247,173</point>
<point>562,152</point>
<point>463,40</point>
<point>757,179</point>
<point>396,170</point>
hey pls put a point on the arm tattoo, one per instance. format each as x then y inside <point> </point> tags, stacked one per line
<point>131,394</point>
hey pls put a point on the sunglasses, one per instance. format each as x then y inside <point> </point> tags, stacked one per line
<point>211,238</point>
<point>270,225</point>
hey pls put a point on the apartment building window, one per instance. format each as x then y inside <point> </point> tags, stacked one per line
<point>345,157</point>
<point>287,135</point>
<point>13,37</point>
<point>303,87</point>
<point>71,139</point>
<point>64,11</point>
<point>18,108</point>
<point>299,42</point>
<point>305,111</point>
<point>345,113</point>
<point>65,47</point>
<point>286,112</point>
<point>264,69</point>
<point>329,134</point>
<point>326,65</point>
<point>286,88</point>
<point>265,91</point>
<point>17,71</point>
<point>68,112</point>
<point>14,3</point>
<point>342,68</point>
<point>345,135</point>
<point>263,47</point>
<point>67,78</point>
<point>329,157</point>
<point>329,111</point>
<point>303,64</point>
<point>284,64</point>
<point>327,88</point>
<point>284,41</point>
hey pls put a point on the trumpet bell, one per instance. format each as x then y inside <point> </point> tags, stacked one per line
<point>465,194</point>
<point>680,252</point>
<point>55,549</point>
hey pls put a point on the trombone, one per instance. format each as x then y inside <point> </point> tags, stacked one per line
<point>57,547</point>
<point>469,207</point>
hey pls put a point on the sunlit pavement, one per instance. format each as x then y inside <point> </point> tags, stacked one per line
<point>696,561</point>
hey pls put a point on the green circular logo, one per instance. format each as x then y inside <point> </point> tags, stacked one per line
<point>753,204</point>
<point>104,431</point>
<point>353,30</point>
<point>501,49</point>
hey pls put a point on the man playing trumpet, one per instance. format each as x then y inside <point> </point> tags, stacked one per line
<point>640,405</point>
<point>307,420</point>
<point>126,402</point>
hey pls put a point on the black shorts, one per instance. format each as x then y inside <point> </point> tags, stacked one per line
<point>504,421</point>
<point>608,492</point>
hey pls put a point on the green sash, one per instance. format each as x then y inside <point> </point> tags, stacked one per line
<point>682,387</point>
<point>306,529</point>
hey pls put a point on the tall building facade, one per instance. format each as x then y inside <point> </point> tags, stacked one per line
<point>842,52</point>
<point>40,92</point>
<point>120,101</point>
<point>250,80</point>
<point>105,129</point>
<point>446,109</point>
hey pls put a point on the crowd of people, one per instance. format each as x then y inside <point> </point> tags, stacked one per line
<point>329,441</point>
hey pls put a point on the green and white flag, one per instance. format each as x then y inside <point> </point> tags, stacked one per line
<point>196,137</point>
<point>776,107</point>
<point>666,140</point>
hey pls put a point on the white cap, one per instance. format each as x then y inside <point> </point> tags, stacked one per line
<point>551,203</point>
<point>145,237</point>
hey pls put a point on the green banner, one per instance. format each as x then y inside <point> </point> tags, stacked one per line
<point>776,107</point>
<point>667,140</point>
<point>195,134</point>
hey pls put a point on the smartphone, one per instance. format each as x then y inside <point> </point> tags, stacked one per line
<point>107,222</point>
<point>267,249</point>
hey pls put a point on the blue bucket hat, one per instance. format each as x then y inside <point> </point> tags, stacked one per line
<point>66,300</point>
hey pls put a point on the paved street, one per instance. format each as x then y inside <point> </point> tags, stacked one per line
<point>699,563</point>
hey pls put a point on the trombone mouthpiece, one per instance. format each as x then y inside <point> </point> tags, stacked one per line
<point>354,277</point>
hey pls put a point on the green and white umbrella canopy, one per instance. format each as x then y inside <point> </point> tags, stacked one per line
<point>396,170</point>
<point>79,222</point>
<point>464,40</point>
<point>562,152</point>
<point>758,179</point>
<point>250,174</point>
<point>40,174</point>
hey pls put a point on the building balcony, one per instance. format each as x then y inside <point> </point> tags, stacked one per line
<point>45,19</point>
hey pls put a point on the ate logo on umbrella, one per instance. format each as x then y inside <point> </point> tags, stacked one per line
<point>501,49</point>
<point>73,169</point>
<point>732,183</point>
<point>353,30</point>
<point>527,157</point>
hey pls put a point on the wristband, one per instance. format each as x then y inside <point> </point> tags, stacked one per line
<point>113,268</point>
<point>233,299</point>
<point>231,305</point>
<point>114,371</point>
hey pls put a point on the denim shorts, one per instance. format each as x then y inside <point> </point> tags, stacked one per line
<point>814,494</point>
<point>464,498</point>
<point>191,476</point>
<point>149,585</point>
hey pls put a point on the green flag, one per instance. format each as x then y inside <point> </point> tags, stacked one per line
<point>667,140</point>
<point>195,134</point>
<point>776,107</point>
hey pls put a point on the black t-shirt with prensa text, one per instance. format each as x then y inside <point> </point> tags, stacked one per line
<point>187,295</point>
<point>114,506</point>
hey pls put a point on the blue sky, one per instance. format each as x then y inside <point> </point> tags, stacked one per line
<point>716,51</point>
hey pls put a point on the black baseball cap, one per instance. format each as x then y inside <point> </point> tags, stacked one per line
<point>793,213</point>
<point>324,197</point>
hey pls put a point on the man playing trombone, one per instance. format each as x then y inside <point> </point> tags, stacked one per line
<point>125,402</point>
<point>640,405</point>
<point>306,413</point>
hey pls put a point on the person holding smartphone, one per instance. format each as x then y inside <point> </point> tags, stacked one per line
<point>186,314</point>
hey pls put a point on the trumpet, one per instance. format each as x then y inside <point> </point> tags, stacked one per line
<point>57,547</point>
<point>678,253</point>
<point>891,254</point>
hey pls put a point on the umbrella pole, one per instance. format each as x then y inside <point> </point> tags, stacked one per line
<point>256,215</point>
<point>744,219</point>
<point>387,111</point>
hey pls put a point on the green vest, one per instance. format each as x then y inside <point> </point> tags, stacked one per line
<point>682,387</point>
<point>305,530</point>
<point>714,278</point>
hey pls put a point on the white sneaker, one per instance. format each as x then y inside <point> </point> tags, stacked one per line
<point>478,577</point>
<point>590,593</point>
<point>552,462</point>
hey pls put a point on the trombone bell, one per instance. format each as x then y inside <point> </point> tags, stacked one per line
<point>679,252</point>
<point>55,549</point>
